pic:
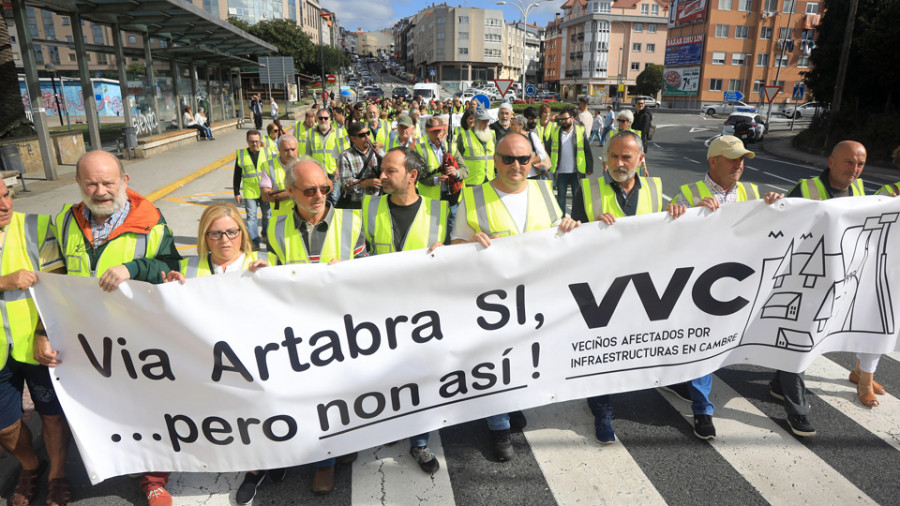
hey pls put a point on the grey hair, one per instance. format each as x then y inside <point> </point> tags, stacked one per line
<point>627,114</point>
<point>626,134</point>
<point>506,105</point>
<point>520,120</point>
<point>286,137</point>
<point>289,180</point>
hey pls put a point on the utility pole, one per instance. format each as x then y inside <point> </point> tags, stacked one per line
<point>845,56</point>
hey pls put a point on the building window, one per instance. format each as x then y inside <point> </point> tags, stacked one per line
<point>441,21</point>
<point>639,27</point>
<point>636,47</point>
<point>66,21</point>
<point>725,5</point>
<point>765,33</point>
<point>741,31</point>
<point>782,59</point>
<point>790,6</point>
<point>651,28</point>
<point>757,86</point>
<point>651,48</point>
<point>812,7</point>
<point>463,35</point>
<point>492,37</point>
<point>635,65</point>
<point>778,83</point>
<point>784,33</point>
<point>101,59</point>
<point>645,9</point>
<point>738,59</point>
<point>440,36</point>
<point>718,58</point>
<point>71,58</point>
<point>771,6</point>
<point>735,84</point>
<point>68,39</point>
<point>803,62</point>
<point>463,20</point>
<point>493,22</point>
<point>722,31</point>
<point>654,10</point>
<point>132,39</point>
<point>762,60</point>
<point>715,85</point>
<point>492,53</point>
<point>603,6</point>
<point>745,5</point>
<point>464,51</point>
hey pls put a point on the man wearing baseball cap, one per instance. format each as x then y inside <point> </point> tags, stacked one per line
<point>721,185</point>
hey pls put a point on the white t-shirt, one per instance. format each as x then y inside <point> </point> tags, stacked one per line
<point>538,150</point>
<point>515,203</point>
<point>237,265</point>
<point>566,163</point>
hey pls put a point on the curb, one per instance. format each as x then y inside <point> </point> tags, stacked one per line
<point>169,188</point>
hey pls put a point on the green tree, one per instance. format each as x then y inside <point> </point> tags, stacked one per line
<point>15,123</point>
<point>292,41</point>
<point>649,81</point>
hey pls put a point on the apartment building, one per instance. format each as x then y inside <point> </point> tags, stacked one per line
<point>552,52</point>
<point>527,45</point>
<point>605,44</point>
<point>738,45</point>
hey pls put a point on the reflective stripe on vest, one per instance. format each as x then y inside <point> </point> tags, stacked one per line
<point>122,249</point>
<point>486,213</point>
<point>479,159</point>
<point>22,243</point>
<point>814,189</point>
<point>196,267</point>
<point>580,163</point>
<point>600,198</point>
<point>431,163</point>
<point>276,174</point>
<point>693,193</point>
<point>382,133</point>
<point>249,173</point>
<point>427,227</point>
<point>889,189</point>
<point>340,240</point>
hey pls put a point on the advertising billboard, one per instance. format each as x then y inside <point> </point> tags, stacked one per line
<point>684,82</point>
<point>686,11</point>
<point>687,50</point>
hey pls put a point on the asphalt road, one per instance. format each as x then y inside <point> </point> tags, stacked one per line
<point>656,460</point>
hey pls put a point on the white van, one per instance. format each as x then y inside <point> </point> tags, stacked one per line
<point>428,91</point>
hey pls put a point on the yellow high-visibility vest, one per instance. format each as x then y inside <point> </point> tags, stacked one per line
<point>486,213</point>
<point>428,227</point>
<point>600,197</point>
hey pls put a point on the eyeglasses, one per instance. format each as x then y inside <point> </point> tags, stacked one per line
<point>361,134</point>
<point>324,118</point>
<point>640,103</point>
<point>325,189</point>
<point>509,159</point>
<point>567,118</point>
<point>231,233</point>
<point>622,120</point>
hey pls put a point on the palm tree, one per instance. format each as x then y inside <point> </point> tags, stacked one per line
<point>15,123</point>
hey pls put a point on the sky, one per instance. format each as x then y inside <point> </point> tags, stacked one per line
<point>378,14</point>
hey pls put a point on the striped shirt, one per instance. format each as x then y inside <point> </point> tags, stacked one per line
<point>721,194</point>
<point>100,232</point>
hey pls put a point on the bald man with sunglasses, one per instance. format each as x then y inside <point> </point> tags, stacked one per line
<point>508,205</point>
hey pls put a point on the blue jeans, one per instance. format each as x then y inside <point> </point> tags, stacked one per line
<point>564,181</point>
<point>600,406</point>
<point>699,389</point>
<point>595,134</point>
<point>420,440</point>
<point>251,206</point>
<point>204,130</point>
<point>604,134</point>
<point>498,422</point>
<point>451,220</point>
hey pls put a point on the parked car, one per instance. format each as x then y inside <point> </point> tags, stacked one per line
<point>550,96</point>
<point>757,125</point>
<point>400,92</point>
<point>649,102</point>
<point>375,93</point>
<point>807,110</point>
<point>727,107</point>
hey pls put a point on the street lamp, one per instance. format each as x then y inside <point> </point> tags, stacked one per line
<point>519,4</point>
<point>52,70</point>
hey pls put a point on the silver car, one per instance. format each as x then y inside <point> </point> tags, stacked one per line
<point>726,107</point>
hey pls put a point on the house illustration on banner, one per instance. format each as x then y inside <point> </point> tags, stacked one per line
<point>795,315</point>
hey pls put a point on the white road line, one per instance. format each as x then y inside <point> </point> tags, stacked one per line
<point>779,177</point>
<point>690,159</point>
<point>751,168</point>
<point>387,474</point>
<point>657,145</point>
<point>829,381</point>
<point>807,167</point>
<point>578,469</point>
<point>768,457</point>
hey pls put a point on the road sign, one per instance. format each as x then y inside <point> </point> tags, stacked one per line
<point>770,92</point>
<point>276,69</point>
<point>432,72</point>
<point>798,93</point>
<point>733,96</point>
<point>331,78</point>
<point>530,90</point>
<point>503,85</point>
<point>621,88</point>
<point>483,102</point>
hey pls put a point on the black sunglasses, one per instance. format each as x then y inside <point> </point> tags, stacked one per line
<point>509,159</point>
<point>325,189</point>
<point>361,134</point>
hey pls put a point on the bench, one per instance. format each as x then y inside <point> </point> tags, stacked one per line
<point>148,146</point>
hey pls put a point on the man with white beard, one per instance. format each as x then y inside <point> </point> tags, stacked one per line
<point>476,147</point>
<point>116,234</point>
<point>504,115</point>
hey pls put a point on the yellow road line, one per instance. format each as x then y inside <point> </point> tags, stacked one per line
<point>169,188</point>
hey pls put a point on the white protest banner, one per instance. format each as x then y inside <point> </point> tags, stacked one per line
<point>297,363</point>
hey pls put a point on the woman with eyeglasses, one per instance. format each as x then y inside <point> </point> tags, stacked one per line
<point>271,140</point>
<point>223,245</point>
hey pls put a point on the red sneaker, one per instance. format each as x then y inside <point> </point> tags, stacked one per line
<point>158,496</point>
